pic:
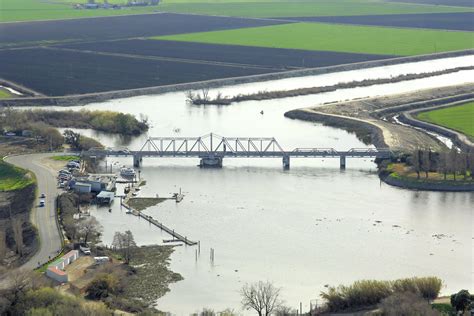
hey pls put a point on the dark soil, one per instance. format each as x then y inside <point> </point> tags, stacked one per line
<point>45,32</point>
<point>453,3</point>
<point>275,58</point>
<point>70,72</point>
<point>443,21</point>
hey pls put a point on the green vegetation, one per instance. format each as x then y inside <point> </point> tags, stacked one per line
<point>31,10</point>
<point>259,8</point>
<point>13,178</point>
<point>459,118</point>
<point>371,292</point>
<point>64,158</point>
<point>5,94</point>
<point>141,204</point>
<point>341,38</point>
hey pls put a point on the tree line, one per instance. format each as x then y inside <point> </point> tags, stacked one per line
<point>452,162</point>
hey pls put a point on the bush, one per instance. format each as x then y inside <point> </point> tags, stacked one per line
<point>371,292</point>
<point>407,304</point>
<point>102,286</point>
<point>461,300</point>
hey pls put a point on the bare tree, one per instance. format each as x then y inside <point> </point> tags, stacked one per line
<point>443,164</point>
<point>3,246</point>
<point>262,297</point>
<point>416,162</point>
<point>17,226</point>
<point>452,161</point>
<point>88,228</point>
<point>425,159</point>
<point>462,164</point>
<point>125,243</point>
<point>470,163</point>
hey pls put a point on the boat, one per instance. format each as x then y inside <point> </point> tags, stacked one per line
<point>127,172</point>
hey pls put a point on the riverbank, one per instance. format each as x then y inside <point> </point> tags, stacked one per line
<point>83,99</point>
<point>204,99</point>
<point>371,118</point>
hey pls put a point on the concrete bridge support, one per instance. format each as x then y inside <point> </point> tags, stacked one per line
<point>211,162</point>
<point>286,162</point>
<point>342,162</point>
<point>137,161</point>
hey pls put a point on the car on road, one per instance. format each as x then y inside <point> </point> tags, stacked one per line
<point>41,203</point>
<point>42,195</point>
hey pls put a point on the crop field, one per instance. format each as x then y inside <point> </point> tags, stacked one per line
<point>457,3</point>
<point>56,72</point>
<point>305,8</point>
<point>341,38</point>
<point>459,118</point>
<point>48,32</point>
<point>31,10</point>
<point>443,21</point>
<point>281,59</point>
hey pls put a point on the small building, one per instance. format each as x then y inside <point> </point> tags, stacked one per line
<point>81,187</point>
<point>56,274</point>
<point>56,269</point>
<point>105,197</point>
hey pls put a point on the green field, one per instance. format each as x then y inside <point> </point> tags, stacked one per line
<point>341,38</point>
<point>5,94</point>
<point>459,118</point>
<point>29,10</point>
<point>13,178</point>
<point>65,158</point>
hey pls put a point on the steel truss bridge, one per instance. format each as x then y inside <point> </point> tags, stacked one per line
<point>212,149</point>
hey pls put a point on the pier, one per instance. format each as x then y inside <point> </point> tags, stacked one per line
<point>211,149</point>
<point>176,236</point>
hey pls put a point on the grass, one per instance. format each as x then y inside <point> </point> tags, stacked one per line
<point>403,172</point>
<point>459,118</point>
<point>301,8</point>
<point>5,94</point>
<point>341,38</point>
<point>13,178</point>
<point>31,10</point>
<point>65,158</point>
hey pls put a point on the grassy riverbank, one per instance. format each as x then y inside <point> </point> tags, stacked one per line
<point>459,118</point>
<point>14,178</point>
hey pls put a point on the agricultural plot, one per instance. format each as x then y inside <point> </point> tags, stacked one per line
<point>340,38</point>
<point>272,58</point>
<point>269,9</point>
<point>47,32</point>
<point>56,72</point>
<point>459,118</point>
<point>456,3</point>
<point>443,21</point>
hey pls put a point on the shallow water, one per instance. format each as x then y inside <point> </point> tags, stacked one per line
<point>302,229</point>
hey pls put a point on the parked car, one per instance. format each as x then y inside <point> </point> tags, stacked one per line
<point>73,165</point>
<point>85,250</point>
<point>64,171</point>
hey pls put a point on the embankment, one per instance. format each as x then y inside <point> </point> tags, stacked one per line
<point>71,100</point>
<point>366,132</point>
<point>413,184</point>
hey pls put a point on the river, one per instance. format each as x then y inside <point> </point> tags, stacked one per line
<point>304,228</point>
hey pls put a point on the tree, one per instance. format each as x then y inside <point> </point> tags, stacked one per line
<point>125,243</point>
<point>470,163</point>
<point>3,246</point>
<point>88,228</point>
<point>416,162</point>
<point>262,297</point>
<point>102,287</point>
<point>461,300</point>
<point>72,138</point>
<point>425,161</point>
<point>17,226</point>
<point>452,161</point>
<point>443,163</point>
<point>408,304</point>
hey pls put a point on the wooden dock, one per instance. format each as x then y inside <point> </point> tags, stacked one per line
<point>175,235</point>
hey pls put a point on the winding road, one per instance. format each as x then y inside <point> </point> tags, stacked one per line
<point>43,218</point>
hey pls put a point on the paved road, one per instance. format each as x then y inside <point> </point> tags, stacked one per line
<point>42,217</point>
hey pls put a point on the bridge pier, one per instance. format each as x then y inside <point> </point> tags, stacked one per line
<point>286,162</point>
<point>342,162</point>
<point>211,162</point>
<point>137,161</point>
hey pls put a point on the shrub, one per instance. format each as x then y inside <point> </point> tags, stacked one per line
<point>102,286</point>
<point>461,300</point>
<point>371,292</point>
<point>407,304</point>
